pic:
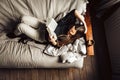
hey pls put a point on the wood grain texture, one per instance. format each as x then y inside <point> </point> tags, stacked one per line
<point>89,34</point>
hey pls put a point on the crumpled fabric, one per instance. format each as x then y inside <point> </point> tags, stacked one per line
<point>68,52</point>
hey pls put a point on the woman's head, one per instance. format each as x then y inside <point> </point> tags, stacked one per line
<point>74,32</point>
<point>77,29</point>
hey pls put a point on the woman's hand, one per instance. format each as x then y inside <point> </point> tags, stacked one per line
<point>53,39</point>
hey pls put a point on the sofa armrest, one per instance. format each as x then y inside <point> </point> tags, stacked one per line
<point>89,34</point>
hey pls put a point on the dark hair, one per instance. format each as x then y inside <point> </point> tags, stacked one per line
<point>65,39</point>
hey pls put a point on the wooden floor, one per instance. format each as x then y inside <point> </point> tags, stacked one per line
<point>88,72</point>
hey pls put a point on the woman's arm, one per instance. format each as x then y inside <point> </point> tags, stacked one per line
<point>52,40</point>
<point>81,17</point>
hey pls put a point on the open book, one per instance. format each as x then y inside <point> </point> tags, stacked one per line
<point>51,26</point>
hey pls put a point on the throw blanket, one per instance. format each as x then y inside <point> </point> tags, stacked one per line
<point>68,53</point>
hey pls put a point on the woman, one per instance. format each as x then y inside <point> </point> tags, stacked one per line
<point>69,28</point>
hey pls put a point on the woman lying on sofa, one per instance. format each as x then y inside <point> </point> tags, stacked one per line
<point>69,28</point>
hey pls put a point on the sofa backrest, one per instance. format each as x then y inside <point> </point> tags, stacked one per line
<point>12,10</point>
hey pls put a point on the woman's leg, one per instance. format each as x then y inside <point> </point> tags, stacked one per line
<point>29,31</point>
<point>31,21</point>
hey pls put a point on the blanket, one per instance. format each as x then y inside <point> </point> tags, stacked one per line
<point>68,53</point>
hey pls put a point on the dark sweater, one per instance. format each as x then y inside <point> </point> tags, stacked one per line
<point>65,23</point>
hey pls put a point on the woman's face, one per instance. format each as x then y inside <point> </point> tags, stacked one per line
<point>72,31</point>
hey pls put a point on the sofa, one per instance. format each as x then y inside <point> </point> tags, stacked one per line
<point>18,55</point>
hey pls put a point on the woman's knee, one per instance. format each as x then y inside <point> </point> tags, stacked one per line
<point>31,21</point>
<point>22,27</point>
<point>29,31</point>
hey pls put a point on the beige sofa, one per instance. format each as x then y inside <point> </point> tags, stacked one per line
<point>30,55</point>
